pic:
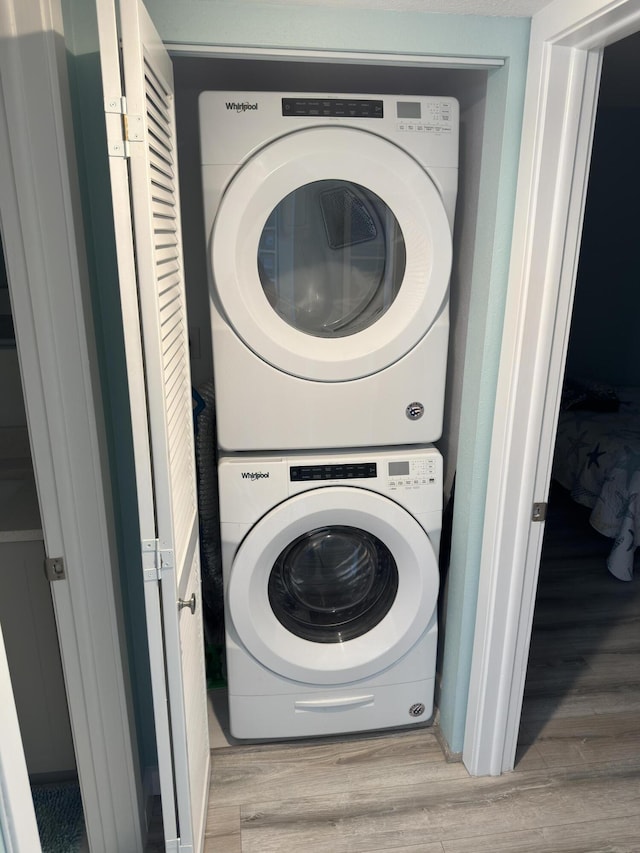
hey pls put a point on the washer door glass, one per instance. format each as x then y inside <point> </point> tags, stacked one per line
<point>331,258</point>
<point>333,584</point>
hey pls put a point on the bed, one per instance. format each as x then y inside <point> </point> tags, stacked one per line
<point>597,459</point>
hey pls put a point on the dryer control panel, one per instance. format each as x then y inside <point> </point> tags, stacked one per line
<point>236,125</point>
<point>334,107</point>
<point>411,473</point>
<point>346,471</point>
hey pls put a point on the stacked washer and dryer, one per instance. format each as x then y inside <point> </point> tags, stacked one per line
<point>329,224</point>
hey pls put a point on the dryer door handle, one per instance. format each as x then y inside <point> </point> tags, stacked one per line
<point>333,704</point>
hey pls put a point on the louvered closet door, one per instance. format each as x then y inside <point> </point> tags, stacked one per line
<point>164,446</point>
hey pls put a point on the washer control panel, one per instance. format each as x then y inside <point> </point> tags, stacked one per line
<point>411,473</point>
<point>399,473</point>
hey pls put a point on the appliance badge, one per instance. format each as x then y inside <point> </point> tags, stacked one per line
<point>241,106</point>
<point>414,411</point>
<point>254,475</point>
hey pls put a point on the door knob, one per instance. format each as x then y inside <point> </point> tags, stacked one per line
<point>190,603</point>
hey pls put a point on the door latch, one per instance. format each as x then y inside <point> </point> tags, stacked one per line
<point>54,569</point>
<point>539,512</point>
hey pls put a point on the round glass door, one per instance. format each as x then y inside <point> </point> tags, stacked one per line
<point>333,584</point>
<point>331,254</point>
<point>331,258</point>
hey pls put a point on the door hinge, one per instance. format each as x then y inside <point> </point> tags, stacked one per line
<point>114,112</point>
<point>539,512</point>
<point>155,560</point>
<point>122,128</point>
<point>54,569</point>
<point>133,128</point>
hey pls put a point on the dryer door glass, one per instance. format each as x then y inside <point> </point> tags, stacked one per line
<point>331,258</point>
<point>333,584</point>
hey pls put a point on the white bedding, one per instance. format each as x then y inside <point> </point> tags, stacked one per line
<point>597,458</point>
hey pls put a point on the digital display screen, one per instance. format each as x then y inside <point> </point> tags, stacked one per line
<point>398,469</point>
<point>408,109</point>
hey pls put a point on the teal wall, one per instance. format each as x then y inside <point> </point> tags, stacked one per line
<point>340,29</point>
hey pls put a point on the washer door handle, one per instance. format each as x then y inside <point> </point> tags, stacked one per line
<point>190,603</point>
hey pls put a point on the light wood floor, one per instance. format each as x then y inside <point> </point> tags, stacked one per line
<point>576,786</point>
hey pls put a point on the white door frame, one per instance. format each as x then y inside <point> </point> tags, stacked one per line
<point>563,77</point>
<point>40,214</point>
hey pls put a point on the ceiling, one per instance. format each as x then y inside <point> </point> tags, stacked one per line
<point>506,8</point>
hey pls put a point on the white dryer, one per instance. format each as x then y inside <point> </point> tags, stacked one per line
<point>329,225</point>
<point>330,566</point>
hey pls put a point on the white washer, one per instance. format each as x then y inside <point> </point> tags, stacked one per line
<point>329,221</point>
<point>330,565</point>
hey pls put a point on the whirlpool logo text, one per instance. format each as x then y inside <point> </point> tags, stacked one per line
<point>241,107</point>
<point>254,475</point>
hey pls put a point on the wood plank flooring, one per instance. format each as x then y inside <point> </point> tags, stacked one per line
<point>576,786</point>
